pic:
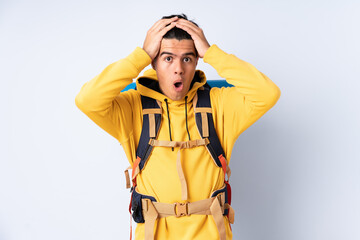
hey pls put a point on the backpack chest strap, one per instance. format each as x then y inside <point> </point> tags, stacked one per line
<point>181,144</point>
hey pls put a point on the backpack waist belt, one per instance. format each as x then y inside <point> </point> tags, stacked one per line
<point>214,206</point>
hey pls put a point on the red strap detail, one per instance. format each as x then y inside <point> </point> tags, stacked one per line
<point>130,227</point>
<point>135,165</point>
<point>130,205</point>
<point>223,164</point>
<point>228,187</point>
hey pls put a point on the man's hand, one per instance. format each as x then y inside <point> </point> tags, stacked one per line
<point>155,34</point>
<point>196,33</point>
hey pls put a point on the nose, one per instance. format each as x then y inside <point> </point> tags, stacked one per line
<point>178,68</point>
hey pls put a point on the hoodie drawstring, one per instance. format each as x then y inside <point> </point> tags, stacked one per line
<point>187,127</point>
<point>186,119</point>
<point>167,109</point>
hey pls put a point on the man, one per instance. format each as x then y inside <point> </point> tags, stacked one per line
<point>175,173</point>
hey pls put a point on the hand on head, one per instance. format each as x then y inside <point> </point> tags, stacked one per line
<point>155,34</point>
<point>160,28</point>
<point>196,33</point>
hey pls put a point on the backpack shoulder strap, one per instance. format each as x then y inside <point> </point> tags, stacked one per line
<point>205,125</point>
<point>152,111</point>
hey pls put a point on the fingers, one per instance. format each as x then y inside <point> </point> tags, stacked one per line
<point>163,31</point>
<point>162,23</point>
<point>162,26</point>
<point>196,33</point>
<point>188,27</point>
<point>155,34</point>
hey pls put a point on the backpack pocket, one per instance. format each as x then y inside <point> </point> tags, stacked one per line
<point>136,205</point>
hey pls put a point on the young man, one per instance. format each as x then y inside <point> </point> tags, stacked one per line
<point>180,175</point>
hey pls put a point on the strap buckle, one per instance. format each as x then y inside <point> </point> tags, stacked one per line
<point>181,209</point>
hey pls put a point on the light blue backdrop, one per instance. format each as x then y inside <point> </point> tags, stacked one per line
<point>296,171</point>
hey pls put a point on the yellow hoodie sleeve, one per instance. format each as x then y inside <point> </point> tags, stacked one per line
<point>100,98</point>
<point>239,107</point>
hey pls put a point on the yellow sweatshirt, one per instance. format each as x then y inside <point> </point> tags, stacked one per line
<point>234,110</point>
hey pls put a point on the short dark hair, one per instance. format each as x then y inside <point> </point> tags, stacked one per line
<point>175,32</point>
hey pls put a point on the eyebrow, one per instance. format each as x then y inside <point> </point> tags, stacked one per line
<point>185,54</point>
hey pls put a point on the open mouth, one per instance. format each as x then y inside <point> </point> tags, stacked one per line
<point>178,86</point>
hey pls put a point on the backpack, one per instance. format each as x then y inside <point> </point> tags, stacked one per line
<point>144,208</point>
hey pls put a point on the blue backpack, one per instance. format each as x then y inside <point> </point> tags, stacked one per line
<point>152,114</point>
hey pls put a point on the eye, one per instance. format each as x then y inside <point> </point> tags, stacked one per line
<point>168,59</point>
<point>187,59</point>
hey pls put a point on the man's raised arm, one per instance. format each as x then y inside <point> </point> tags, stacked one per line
<point>100,98</point>
<point>251,97</point>
<point>239,107</point>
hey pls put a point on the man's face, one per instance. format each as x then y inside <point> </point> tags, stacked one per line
<point>175,67</point>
